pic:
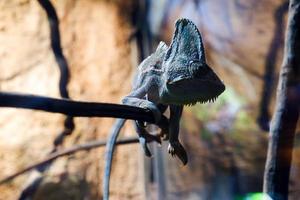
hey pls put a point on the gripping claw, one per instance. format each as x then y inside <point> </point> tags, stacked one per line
<point>176,149</point>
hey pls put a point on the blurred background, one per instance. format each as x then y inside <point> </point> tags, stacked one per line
<point>103,42</point>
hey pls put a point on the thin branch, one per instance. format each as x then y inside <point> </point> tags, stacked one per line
<point>56,47</point>
<point>62,63</point>
<point>65,152</point>
<point>284,122</point>
<point>75,108</point>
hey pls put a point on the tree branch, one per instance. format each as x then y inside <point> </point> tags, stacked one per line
<point>56,47</point>
<point>75,108</point>
<point>282,130</point>
<point>65,152</point>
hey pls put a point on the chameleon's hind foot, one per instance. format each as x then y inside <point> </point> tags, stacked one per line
<point>146,139</point>
<point>176,149</point>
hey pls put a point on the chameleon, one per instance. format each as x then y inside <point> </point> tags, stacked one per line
<point>171,77</point>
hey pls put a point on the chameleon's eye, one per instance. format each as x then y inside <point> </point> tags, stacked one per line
<point>198,68</point>
<point>194,62</point>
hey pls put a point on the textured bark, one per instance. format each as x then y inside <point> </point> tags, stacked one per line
<point>284,122</point>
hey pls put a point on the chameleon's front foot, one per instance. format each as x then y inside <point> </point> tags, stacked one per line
<point>176,149</point>
<point>145,137</point>
<point>153,108</point>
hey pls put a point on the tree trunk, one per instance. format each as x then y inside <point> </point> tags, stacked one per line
<point>282,132</point>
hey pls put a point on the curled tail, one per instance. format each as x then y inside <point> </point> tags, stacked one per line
<point>110,147</point>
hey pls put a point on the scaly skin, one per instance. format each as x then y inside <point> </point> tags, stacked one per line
<point>171,77</point>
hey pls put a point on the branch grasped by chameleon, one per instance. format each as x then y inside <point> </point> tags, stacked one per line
<point>75,108</point>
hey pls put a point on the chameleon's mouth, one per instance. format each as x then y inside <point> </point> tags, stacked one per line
<point>192,91</point>
<point>198,83</point>
<point>202,101</point>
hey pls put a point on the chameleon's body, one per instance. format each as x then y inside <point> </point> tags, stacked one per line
<point>171,77</point>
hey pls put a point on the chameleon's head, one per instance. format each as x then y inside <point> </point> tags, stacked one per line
<point>187,79</point>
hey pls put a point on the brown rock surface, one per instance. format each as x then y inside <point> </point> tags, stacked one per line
<point>95,41</point>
